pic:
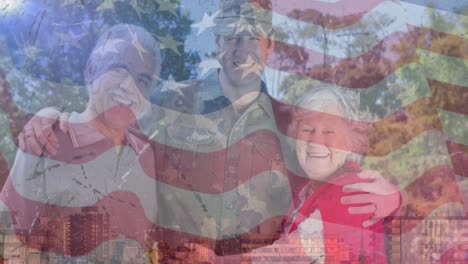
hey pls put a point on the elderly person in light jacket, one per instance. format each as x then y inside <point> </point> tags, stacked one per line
<point>101,171</point>
<point>331,137</point>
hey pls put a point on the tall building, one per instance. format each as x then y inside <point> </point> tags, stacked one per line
<point>84,232</point>
<point>395,242</point>
<point>429,240</point>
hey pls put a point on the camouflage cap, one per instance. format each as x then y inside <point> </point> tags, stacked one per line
<point>235,16</point>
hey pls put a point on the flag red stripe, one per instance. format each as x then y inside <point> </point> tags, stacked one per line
<point>434,188</point>
<point>329,15</point>
<point>193,170</point>
<point>127,218</point>
<point>449,97</point>
<point>394,51</point>
<point>386,135</point>
<point>457,254</point>
<point>459,157</point>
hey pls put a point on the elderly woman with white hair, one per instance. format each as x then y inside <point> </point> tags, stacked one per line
<point>330,140</point>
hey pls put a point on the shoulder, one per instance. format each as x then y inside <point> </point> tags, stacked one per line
<point>184,97</point>
<point>188,96</point>
<point>65,148</point>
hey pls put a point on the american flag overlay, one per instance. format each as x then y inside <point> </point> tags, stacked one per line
<point>233,131</point>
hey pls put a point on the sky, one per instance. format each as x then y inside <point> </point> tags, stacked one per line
<point>205,42</point>
<point>408,10</point>
<point>447,5</point>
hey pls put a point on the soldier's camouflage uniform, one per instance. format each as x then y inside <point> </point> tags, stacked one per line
<point>198,118</point>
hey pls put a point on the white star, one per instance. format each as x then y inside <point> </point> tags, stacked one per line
<point>136,7</point>
<point>31,51</point>
<point>109,46</point>
<point>166,5</point>
<point>72,2</point>
<point>168,42</point>
<point>207,65</point>
<point>221,55</point>
<point>137,45</point>
<point>206,22</point>
<point>250,66</point>
<point>106,5</point>
<point>172,85</point>
<point>243,25</point>
<point>70,39</point>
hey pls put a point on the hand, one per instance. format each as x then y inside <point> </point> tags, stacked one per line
<point>381,198</point>
<point>38,133</point>
<point>197,253</point>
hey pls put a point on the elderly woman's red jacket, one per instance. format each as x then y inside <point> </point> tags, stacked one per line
<point>343,232</point>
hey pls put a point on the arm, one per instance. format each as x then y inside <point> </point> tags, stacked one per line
<point>382,198</point>
<point>24,183</point>
<point>279,251</point>
<point>38,133</point>
<point>16,117</point>
<point>34,131</point>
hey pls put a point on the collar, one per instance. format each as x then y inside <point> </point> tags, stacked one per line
<point>214,99</point>
<point>83,135</point>
<point>312,196</point>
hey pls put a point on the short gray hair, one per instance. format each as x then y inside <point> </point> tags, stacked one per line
<point>125,32</point>
<point>349,105</point>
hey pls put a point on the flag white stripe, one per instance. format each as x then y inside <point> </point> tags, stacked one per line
<point>455,126</point>
<point>400,14</point>
<point>408,165</point>
<point>61,187</point>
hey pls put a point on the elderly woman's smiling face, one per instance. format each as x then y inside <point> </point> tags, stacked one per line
<point>322,141</point>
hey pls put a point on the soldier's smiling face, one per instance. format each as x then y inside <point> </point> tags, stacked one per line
<point>242,56</point>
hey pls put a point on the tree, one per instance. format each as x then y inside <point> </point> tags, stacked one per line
<point>46,47</point>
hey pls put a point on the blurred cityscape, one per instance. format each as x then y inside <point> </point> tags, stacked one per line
<point>78,235</point>
<point>428,241</point>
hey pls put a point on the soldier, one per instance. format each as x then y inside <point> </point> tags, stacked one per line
<point>239,124</point>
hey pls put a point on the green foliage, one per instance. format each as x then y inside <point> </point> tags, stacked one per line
<point>65,38</point>
<point>45,52</point>
<point>404,87</point>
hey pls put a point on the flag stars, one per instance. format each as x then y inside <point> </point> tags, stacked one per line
<point>137,45</point>
<point>172,85</point>
<point>243,25</point>
<point>250,66</point>
<point>206,22</point>
<point>136,7</point>
<point>166,5</point>
<point>70,39</point>
<point>207,65</point>
<point>106,5</point>
<point>109,46</point>
<point>168,42</point>
<point>31,51</point>
<point>73,3</point>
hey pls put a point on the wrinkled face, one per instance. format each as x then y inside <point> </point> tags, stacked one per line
<point>120,94</point>
<point>242,57</point>
<point>322,145</point>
